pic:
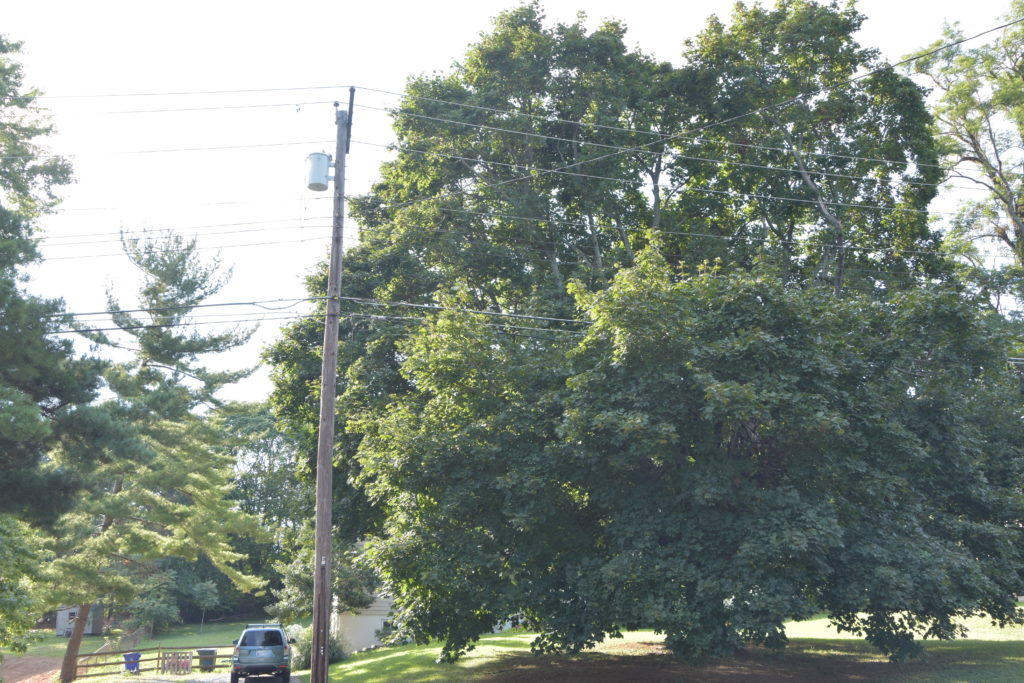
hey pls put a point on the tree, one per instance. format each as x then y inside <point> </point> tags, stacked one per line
<point>979,113</point>
<point>725,454</point>
<point>44,388</point>
<point>160,488</point>
<point>42,383</point>
<point>352,584</point>
<point>819,454</point>
<point>19,596</point>
<point>826,164</point>
<point>266,481</point>
<point>206,596</point>
<point>769,302</point>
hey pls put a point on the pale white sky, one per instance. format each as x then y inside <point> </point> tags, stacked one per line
<point>248,199</point>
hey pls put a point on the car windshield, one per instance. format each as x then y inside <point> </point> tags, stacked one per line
<point>261,639</point>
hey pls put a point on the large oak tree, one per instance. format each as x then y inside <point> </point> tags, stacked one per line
<point>747,388</point>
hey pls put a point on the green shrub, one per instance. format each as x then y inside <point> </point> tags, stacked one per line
<point>304,645</point>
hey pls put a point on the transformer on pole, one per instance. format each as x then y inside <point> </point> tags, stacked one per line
<point>318,177</point>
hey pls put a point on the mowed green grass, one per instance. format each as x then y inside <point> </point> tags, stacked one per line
<point>816,652</point>
<point>188,635</point>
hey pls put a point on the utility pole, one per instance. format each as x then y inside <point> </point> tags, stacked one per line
<point>318,165</point>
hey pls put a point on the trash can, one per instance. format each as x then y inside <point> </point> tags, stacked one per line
<point>131,662</point>
<point>207,659</point>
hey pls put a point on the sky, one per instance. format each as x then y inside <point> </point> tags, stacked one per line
<point>150,105</point>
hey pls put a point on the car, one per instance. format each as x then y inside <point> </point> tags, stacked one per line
<point>262,650</point>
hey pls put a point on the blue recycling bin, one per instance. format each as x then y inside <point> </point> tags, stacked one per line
<point>131,662</point>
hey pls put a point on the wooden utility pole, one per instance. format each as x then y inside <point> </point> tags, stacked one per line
<point>328,389</point>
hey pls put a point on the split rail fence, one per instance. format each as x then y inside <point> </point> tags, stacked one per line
<point>164,660</point>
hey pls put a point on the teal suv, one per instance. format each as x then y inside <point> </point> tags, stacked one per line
<point>262,650</point>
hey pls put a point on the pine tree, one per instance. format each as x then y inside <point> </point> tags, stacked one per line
<point>161,487</point>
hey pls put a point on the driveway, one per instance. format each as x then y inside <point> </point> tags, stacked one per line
<point>45,669</point>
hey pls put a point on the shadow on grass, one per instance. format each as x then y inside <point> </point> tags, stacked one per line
<point>405,663</point>
<point>506,658</point>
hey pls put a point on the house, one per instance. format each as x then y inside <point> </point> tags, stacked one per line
<point>66,617</point>
<point>359,628</point>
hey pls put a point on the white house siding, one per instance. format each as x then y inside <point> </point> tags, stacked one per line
<point>358,628</point>
<point>93,626</point>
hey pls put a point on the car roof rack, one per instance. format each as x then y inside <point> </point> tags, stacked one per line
<point>275,624</point>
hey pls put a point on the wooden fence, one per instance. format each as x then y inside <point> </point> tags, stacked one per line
<point>164,660</point>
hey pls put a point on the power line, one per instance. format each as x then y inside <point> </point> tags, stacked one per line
<point>217,148</point>
<point>214,108</point>
<point>133,234</point>
<point>418,320</point>
<point>478,160</point>
<point>662,137</point>
<point>205,234</point>
<point>436,307</point>
<point>498,241</point>
<point>695,188</point>
<point>247,202</point>
<point>182,93</point>
<point>588,143</point>
<point>224,246</point>
<point>296,301</point>
<point>784,103</point>
<point>159,309</point>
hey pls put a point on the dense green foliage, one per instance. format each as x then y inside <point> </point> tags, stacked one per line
<point>266,483</point>
<point>42,384</point>
<point>159,487</point>
<point>19,568</point>
<point>44,388</point>
<point>748,386</point>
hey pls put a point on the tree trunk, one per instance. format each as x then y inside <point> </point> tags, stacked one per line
<point>827,214</point>
<point>625,241</point>
<point>596,242</point>
<point>656,195</point>
<point>69,667</point>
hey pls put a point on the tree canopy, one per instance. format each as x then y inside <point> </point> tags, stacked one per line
<point>980,118</point>
<point>160,487</point>
<point>642,345</point>
<point>45,388</point>
<point>42,382</point>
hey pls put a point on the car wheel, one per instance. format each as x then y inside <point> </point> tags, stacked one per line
<point>234,677</point>
<point>284,676</point>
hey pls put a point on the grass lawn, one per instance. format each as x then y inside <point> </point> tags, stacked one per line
<point>52,645</point>
<point>816,653</point>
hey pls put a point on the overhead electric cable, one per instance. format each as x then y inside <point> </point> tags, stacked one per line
<point>313,316</point>
<point>138,234</point>
<point>321,238</point>
<point>184,93</point>
<point>237,202</point>
<point>217,148</point>
<point>732,162</point>
<point>713,124</point>
<point>663,137</point>
<point>158,309</point>
<point>214,108</point>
